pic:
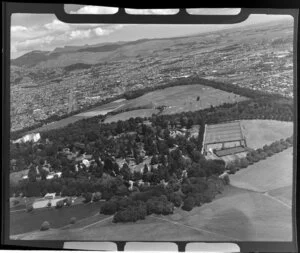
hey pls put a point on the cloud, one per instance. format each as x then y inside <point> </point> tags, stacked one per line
<point>57,26</point>
<point>99,31</point>
<point>80,34</point>
<point>95,10</point>
<point>53,33</point>
<point>18,28</point>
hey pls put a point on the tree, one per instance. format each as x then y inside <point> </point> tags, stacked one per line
<point>154,160</point>
<point>73,220</point>
<point>175,199</point>
<point>29,208</point>
<point>125,172</point>
<point>109,207</point>
<point>59,204</point>
<point>188,204</point>
<point>244,163</point>
<point>145,169</point>
<point>45,226</point>
<point>122,190</point>
<point>196,156</point>
<point>97,196</point>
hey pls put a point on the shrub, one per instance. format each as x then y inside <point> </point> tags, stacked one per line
<point>68,202</point>
<point>226,180</point>
<point>175,199</point>
<point>59,204</point>
<point>198,199</point>
<point>87,197</point>
<point>124,202</point>
<point>107,195</point>
<point>122,190</point>
<point>188,204</point>
<point>266,147</point>
<point>244,163</point>
<point>109,207</point>
<point>143,196</point>
<point>207,197</point>
<point>29,208</point>
<point>284,144</point>
<point>134,212</point>
<point>97,196</point>
<point>280,147</point>
<point>186,188</point>
<point>289,140</point>
<point>15,202</point>
<point>263,155</point>
<point>159,205</point>
<point>259,150</point>
<point>73,220</point>
<point>232,168</point>
<point>270,152</point>
<point>45,226</point>
<point>256,158</point>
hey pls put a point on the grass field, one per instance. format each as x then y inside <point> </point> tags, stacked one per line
<point>100,110</point>
<point>261,132</point>
<point>184,98</point>
<point>176,99</point>
<point>22,221</point>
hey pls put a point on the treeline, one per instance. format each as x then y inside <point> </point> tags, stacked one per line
<point>259,154</point>
<point>162,200</point>
<point>242,91</point>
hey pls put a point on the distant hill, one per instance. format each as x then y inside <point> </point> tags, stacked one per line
<point>68,55</point>
<point>30,59</point>
<point>93,54</point>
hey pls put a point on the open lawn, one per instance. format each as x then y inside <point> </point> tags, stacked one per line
<point>22,221</point>
<point>184,98</point>
<point>176,99</point>
<point>100,110</point>
<point>261,132</point>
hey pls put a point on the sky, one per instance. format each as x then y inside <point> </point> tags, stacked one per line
<point>45,32</point>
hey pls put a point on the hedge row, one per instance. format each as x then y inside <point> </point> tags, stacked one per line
<point>260,154</point>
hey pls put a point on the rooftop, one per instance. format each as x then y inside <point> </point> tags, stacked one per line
<point>224,132</point>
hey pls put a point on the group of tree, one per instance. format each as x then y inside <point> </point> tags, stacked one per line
<point>260,154</point>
